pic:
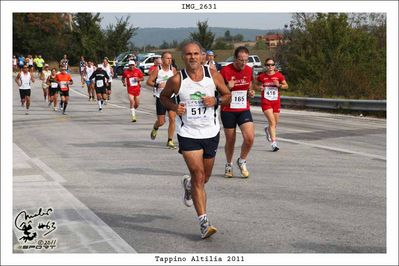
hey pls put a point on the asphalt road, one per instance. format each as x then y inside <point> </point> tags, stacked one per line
<point>113,189</point>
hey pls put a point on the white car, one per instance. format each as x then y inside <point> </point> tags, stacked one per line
<point>144,62</point>
<point>253,61</point>
<point>147,61</point>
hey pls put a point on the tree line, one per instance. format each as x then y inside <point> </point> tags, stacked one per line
<point>336,55</point>
<point>54,34</point>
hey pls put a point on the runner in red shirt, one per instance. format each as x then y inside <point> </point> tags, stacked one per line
<point>270,83</point>
<point>131,79</point>
<point>64,80</point>
<point>238,77</point>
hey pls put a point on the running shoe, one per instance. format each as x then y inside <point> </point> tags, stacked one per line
<point>55,109</point>
<point>207,229</point>
<point>243,168</point>
<point>268,137</point>
<point>170,144</point>
<point>49,104</point>
<point>27,112</point>
<point>154,133</point>
<point>186,183</point>
<point>134,118</point>
<point>64,112</point>
<point>100,110</point>
<point>275,146</point>
<point>228,170</point>
<point>105,102</point>
<point>89,98</point>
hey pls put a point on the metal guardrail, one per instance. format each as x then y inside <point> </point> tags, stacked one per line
<point>331,104</point>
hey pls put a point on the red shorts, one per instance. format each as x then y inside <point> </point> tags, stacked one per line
<point>275,105</point>
<point>134,91</point>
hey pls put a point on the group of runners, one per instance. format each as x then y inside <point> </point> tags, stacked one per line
<point>192,97</point>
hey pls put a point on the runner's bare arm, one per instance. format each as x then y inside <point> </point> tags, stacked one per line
<point>221,87</point>
<point>151,79</point>
<point>17,79</point>
<point>172,86</point>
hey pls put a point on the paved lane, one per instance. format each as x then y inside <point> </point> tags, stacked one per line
<point>323,192</point>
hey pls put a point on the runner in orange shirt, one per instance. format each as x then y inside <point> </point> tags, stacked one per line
<point>64,80</point>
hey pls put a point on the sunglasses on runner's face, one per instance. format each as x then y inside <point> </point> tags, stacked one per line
<point>270,64</point>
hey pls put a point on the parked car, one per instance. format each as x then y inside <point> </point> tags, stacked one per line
<point>253,61</point>
<point>144,62</point>
<point>120,61</point>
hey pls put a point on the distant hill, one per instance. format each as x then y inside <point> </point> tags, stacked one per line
<point>156,36</point>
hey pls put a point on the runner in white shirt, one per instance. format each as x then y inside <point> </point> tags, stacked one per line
<point>157,80</point>
<point>24,80</point>
<point>197,125</point>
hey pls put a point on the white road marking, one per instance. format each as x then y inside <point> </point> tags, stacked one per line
<point>373,156</point>
<point>54,175</point>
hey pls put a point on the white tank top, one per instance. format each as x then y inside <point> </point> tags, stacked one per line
<point>198,122</point>
<point>89,71</point>
<point>162,77</point>
<point>25,81</point>
<point>46,75</point>
<point>108,70</point>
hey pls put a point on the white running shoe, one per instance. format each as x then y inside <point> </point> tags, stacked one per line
<point>275,146</point>
<point>243,168</point>
<point>186,183</point>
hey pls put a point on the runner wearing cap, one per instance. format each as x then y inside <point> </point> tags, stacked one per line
<point>131,80</point>
<point>210,61</point>
<point>99,80</point>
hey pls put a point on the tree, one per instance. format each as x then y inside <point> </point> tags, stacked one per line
<point>88,39</point>
<point>164,45</point>
<point>32,32</point>
<point>118,37</point>
<point>203,36</point>
<point>220,44</point>
<point>327,56</point>
<point>227,36</point>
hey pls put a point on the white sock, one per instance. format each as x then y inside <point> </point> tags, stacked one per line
<point>133,111</point>
<point>241,160</point>
<point>99,104</point>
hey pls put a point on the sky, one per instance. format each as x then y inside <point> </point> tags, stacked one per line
<point>262,21</point>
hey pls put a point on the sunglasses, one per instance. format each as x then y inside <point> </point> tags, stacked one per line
<point>270,64</point>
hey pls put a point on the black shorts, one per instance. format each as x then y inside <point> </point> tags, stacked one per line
<point>101,90</point>
<point>64,93</point>
<point>161,110</point>
<point>23,93</point>
<point>108,86</point>
<point>53,91</point>
<point>209,146</point>
<point>231,119</point>
<point>39,69</point>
